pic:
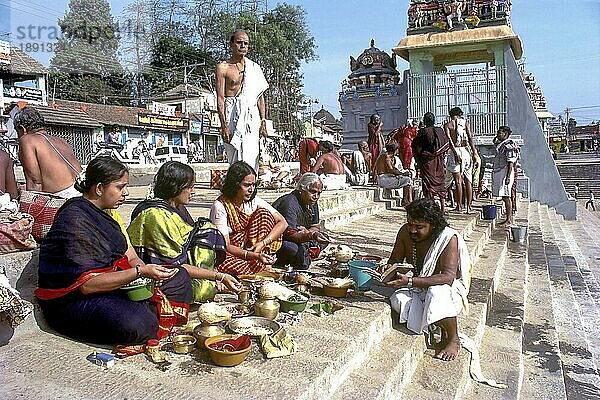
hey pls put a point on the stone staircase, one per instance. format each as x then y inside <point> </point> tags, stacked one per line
<point>533,313</point>
<point>586,172</point>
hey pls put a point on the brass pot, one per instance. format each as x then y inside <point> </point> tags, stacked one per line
<point>268,308</point>
<point>183,344</point>
<point>244,296</point>
<point>203,332</point>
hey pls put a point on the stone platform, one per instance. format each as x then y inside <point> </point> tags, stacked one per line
<point>532,313</point>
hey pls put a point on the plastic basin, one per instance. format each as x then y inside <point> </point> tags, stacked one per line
<point>361,279</point>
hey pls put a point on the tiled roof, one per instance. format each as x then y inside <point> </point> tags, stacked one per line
<point>22,64</point>
<point>104,113</point>
<point>67,116</point>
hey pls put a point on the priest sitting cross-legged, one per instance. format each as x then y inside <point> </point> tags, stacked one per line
<point>437,293</point>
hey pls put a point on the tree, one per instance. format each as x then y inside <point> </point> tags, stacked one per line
<point>279,42</point>
<point>169,56</point>
<point>85,66</point>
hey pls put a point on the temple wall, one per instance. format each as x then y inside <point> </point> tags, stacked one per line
<point>536,159</point>
<point>393,111</point>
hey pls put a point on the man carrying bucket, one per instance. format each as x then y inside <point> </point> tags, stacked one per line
<point>503,173</point>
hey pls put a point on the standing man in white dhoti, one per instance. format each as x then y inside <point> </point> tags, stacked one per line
<point>503,172</point>
<point>240,103</point>
<point>437,293</point>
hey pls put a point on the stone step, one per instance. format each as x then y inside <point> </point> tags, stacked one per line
<point>496,306</point>
<point>542,369</point>
<point>583,285</point>
<point>578,365</point>
<point>329,348</point>
<point>384,376</point>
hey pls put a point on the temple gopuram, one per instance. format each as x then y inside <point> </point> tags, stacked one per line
<point>426,16</point>
<point>373,87</point>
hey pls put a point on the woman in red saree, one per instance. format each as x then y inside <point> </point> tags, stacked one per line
<point>375,139</point>
<point>252,227</point>
<point>85,259</point>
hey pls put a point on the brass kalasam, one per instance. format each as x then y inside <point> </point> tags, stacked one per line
<point>183,344</point>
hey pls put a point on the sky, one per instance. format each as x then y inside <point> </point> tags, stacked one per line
<point>561,43</point>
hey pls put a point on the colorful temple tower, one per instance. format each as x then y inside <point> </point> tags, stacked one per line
<point>373,87</point>
<point>463,53</point>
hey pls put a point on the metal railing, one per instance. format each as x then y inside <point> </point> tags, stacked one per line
<point>479,92</point>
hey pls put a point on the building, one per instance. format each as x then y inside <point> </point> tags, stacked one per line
<point>22,80</point>
<point>538,101</point>
<point>371,88</point>
<point>584,138</point>
<point>199,106</point>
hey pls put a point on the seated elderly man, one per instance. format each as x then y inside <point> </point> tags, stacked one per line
<point>302,239</point>
<point>360,165</point>
<point>437,293</point>
<point>330,167</point>
<point>389,176</point>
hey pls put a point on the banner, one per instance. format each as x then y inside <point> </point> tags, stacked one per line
<point>163,121</point>
<point>4,52</point>
<point>163,109</point>
<point>22,93</point>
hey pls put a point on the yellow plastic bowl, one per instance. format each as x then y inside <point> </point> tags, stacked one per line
<point>226,358</point>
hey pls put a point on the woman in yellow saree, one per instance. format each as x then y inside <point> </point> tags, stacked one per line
<point>162,230</point>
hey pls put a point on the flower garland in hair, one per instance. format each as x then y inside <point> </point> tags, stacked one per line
<point>150,193</point>
<point>80,179</point>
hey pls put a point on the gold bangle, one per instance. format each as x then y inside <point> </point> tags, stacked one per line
<point>245,254</point>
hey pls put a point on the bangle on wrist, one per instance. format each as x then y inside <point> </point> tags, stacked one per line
<point>137,271</point>
<point>222,277</point>
<point>245,254</point>
<point>410,282</point>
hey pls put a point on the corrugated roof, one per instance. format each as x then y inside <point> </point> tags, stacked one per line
<point>67,116</point>
<point>105,113</point>
<point>22,64</point>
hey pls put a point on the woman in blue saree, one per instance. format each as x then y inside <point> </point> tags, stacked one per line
<point>85,260</point>
<point>162,231</point>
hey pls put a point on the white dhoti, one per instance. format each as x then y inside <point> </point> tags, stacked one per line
<point>420,307</point>
<point>465,167</point>
<point>68,192</point>
<point>389,181</point>
<point>243,117</point>
<point>333,181</point>
<point>499,188</point>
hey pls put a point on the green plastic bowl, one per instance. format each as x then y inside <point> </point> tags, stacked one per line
<point>298,306</point>
<point>139,292</point>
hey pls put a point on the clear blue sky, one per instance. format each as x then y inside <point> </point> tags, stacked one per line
<point>561,42</point>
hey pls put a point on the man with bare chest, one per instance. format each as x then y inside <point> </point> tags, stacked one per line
<point>330,167</point>
<point>461,159</point>
<point>437,292</point>
<point>240,103</point>
<point>49,163</point>
<point>389,176</point>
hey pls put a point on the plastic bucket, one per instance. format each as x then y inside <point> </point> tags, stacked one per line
<point>518,234</point>
<point>489,211</point>
<point>361,279</point>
